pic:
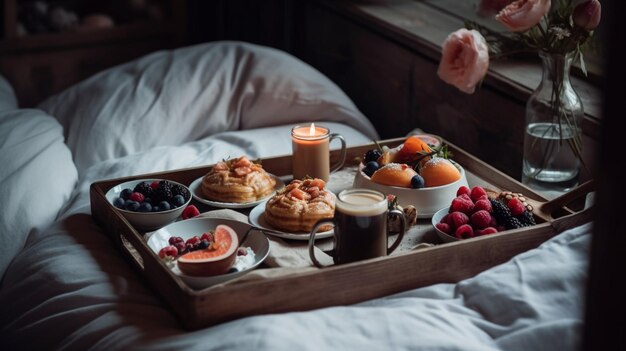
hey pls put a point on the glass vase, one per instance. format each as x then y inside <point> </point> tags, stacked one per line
<point>553,135</point>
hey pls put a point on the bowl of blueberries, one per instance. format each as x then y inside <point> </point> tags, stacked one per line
<point>149,204</point>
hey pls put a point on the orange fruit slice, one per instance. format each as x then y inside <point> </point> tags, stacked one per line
<point>413,145</point>
<point>439,171</point>
<point>217,259</point>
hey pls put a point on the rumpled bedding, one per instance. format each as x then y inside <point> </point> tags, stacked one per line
<point>66,287</point>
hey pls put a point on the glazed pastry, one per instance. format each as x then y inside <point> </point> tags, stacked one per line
<point>237,180</point>
<point>298,206</point>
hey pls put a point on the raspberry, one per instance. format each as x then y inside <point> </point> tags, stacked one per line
<point>193,240</point>
<point>175,239</point>
<point>464,232</point>
<point>457,219</point>
<point>465,197</point>
<point>444,227</point>
<point>481,219</point>
<point>445,219</point>
<point>137,196</point>
<point>463,190</point>
<point>483,204</point>
<point>493,222</point>
<point>154,184</point>
<point>168,252</point>
<point>190,211</point>
<point>477,192</point>
<point>208,236</point>
<point>486,231</point>
<point>462,204</point>
<point>484,197</point>
<point>516,206</point>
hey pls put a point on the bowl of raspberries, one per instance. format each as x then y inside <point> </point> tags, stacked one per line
<point>149,204</point>
<point>476,212</point>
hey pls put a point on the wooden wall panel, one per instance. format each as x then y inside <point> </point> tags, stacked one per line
<point>374,72</point>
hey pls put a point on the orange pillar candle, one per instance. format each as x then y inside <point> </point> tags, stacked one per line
<point>311,154</point>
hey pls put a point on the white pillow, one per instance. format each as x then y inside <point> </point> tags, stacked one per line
<point>172,97</point>
<point>37,177</point>
<point>7,96</point>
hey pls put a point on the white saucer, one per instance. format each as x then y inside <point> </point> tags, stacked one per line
<point>196,192</point>
<point>257,219</point>
<point>196,226</point>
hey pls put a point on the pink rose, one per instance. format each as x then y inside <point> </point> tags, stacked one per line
<point>523,14</point>
<point>587,14</point>
<point>488,8</point>
<point>464,60</point>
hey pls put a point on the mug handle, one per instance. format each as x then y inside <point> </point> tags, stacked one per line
<point>312,241</point>
<point>342,157</point>
<point>400,234</point>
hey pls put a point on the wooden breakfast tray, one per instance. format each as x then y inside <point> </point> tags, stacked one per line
<point>336,285</point>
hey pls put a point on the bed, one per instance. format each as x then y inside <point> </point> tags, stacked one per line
<point>64,285</point>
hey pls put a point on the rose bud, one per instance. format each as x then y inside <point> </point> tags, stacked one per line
<point>488,8</point>
<point>522,15</point>
<point>587,14</point>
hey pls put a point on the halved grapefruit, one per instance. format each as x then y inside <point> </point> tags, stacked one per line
<point>217,259</point>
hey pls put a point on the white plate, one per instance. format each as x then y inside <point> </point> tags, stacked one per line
<point>196,226</point>
<point>196,192</point>
<point>257,219</point>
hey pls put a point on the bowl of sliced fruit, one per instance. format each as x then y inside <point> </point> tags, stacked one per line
<point>418,172</point>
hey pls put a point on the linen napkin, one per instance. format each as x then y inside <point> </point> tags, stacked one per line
<point>283,253</point>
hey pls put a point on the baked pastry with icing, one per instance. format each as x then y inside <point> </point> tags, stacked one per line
<point>237,180</point>
<point>299,205</point>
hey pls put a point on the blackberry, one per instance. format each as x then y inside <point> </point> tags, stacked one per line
<point>178,189</point>
<point>512,223</point>
<point>372,155</point>
<point>527,219</point>
<point>143,188</point>
<point>163,192</point>
<point>501,212</point>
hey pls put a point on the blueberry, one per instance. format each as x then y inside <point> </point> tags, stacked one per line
<point>178,200</point>
<point>372,155</point>
<point>148,200</point>
<point>368,172</point>
<point>125,194</point>
<point>156,209</point>
<point>370,168</point>
<point>417,182</point>
<point>373,165</point>
<point>164,206</point>
<point>131,205</point>
<point>233,270</point>
<point>119,202</point>
<point>145,207</point>
<point>203,244</point>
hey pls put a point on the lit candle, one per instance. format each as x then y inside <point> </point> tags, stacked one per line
<point>311,154</point>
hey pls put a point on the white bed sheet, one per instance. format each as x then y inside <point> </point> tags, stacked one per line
<point>70,289</point>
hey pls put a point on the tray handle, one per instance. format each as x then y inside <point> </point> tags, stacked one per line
<point>550,206</point>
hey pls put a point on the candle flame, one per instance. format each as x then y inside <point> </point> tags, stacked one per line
<point>312,130</point>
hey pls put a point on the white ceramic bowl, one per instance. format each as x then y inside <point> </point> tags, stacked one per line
<point>446,238</point>
<point>196,226</point>
<point>146,221</point>
<point>427,201</point>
